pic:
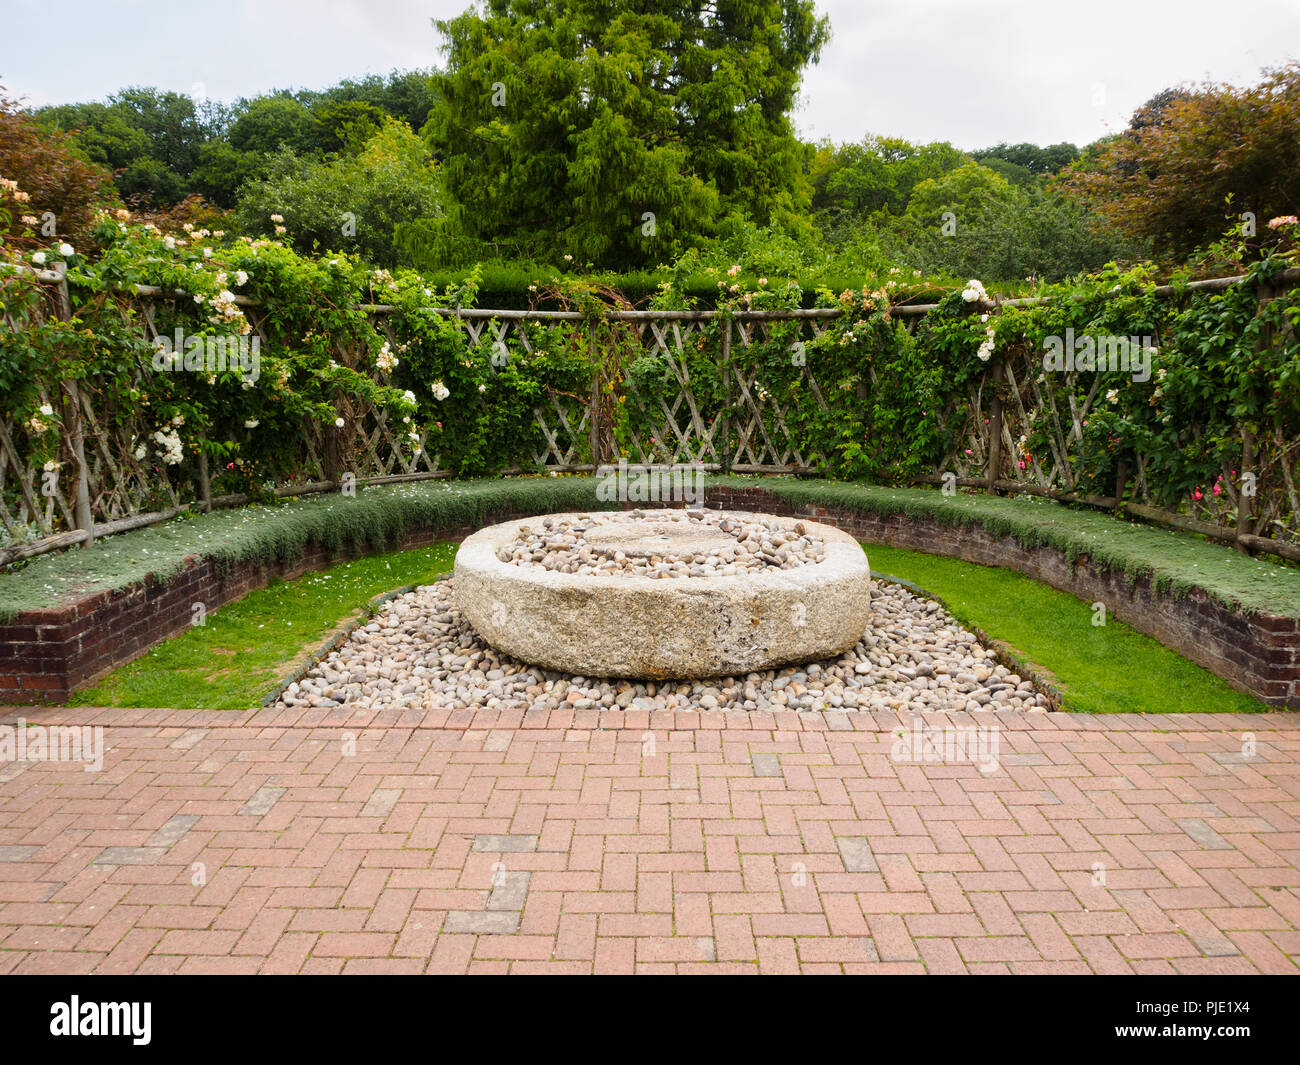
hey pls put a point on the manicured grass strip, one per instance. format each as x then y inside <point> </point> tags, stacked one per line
<point>1174,561</point>
<point>1107,668</point>
<point>374,517</point>
<point>245,648</point>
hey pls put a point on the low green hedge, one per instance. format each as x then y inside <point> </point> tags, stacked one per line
<point>1173,561</point>
<point>377,518</point>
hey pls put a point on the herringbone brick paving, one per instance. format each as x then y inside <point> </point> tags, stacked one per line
<point>485,841</point>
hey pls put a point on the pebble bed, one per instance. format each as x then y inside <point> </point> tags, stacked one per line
<point>419,652</point>
<point>726,544</point>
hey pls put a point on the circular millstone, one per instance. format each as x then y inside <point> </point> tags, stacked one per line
<point>692,626</point>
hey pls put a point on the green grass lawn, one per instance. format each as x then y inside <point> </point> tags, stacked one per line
<point>1109,668</point>
<point>246,648</point>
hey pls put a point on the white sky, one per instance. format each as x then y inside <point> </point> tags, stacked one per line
<point>973,72</point>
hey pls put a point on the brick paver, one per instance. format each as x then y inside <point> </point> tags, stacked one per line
<point>611,841</point>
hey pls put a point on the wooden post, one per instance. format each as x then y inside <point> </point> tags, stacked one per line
<point>723,451</point>
<point>994,469</point>
<point>1246,503</point>
<point>594,431</point>
<point>63,296</point>
<point>205,486</point>
<point>85,519</point>
<point>77,443</point>
<point>331,458</point>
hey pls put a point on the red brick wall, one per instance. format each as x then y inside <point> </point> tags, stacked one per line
<point>45,654</point>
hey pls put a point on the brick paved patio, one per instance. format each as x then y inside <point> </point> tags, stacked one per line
<point>619,842</point>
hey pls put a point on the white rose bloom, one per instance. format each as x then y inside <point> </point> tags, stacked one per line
<point>440,391</point>
<point>47,410</point>
<point>67,250</point>
<point>38,258</point>
<point>251,423</point>
<point>338,422</point>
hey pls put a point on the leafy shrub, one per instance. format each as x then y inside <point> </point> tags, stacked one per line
<point>350,203</point>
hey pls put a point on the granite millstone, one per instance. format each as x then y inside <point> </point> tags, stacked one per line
<point>680,627</point>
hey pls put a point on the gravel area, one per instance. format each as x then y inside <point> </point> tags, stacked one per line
<point>418,651</point>
<point>663,544</point>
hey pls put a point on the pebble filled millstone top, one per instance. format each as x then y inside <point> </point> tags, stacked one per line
<point>692,543</point>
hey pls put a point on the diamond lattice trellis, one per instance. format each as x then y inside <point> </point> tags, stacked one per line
<point>727,422</point>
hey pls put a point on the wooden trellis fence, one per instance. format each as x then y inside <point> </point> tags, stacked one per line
<point>738,429</point>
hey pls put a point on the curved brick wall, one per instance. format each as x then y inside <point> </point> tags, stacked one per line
<point>45,654</point>
<point>1256,653</point>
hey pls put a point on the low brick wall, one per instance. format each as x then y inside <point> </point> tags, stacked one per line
<point>1255,653</point>
<point>46,654</point>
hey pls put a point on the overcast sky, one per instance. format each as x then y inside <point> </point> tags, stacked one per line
<point>973,73</point>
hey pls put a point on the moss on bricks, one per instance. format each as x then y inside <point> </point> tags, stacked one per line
<point>374,518</point>
<point>377,518</point>
<point>1173,561</point>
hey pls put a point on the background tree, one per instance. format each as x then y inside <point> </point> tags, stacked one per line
<point>1030,157</point>
<point>875,174</point>
<point>265,124</point>
<point>350,203</point>
<point>970,193</point>
<point>565,123</point>
<point>404,94</point>
<point>1192,161</point>
<point>50,168</point>
<point>164,146</point>
<point>151,139</point>
<point>347,125</point>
